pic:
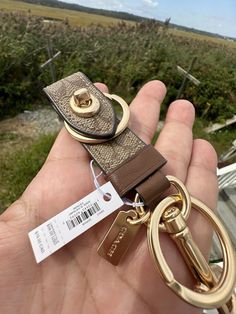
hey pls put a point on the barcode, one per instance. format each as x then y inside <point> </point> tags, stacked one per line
<point>93,209</point>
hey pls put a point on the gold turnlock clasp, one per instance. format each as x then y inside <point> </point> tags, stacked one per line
<point>84,104</point>
<point>217,293</point>
<point>122,125</point>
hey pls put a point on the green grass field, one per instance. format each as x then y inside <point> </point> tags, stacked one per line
<point>75,18</point>
<point>202,37</point>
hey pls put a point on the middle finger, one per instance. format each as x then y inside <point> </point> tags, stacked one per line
<point>175,140</point>
<point>145,109</point>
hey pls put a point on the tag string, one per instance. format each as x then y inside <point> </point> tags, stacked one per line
<point>126,201</point>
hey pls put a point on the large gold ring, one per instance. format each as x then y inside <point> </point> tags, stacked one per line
<point>120,128</point>
<point>222,291</point>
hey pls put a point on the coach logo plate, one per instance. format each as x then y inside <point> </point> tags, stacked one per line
<point>119,237</point>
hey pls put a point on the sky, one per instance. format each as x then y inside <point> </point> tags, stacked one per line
<point>216,16</point>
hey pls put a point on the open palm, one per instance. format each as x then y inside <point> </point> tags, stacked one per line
<point>75,279</point>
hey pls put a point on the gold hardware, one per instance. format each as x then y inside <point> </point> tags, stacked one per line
<point>139,216</point>
<point>120,128</point>
<point>185,197</point>
<point>82,98</point>
<point>182,196</point>
<point>121,234</point>
<point>180,233</point>
<point>228,307</point>
<point>222,290</point>
<point>211,291</point>
<point>143,218</point>
<point>173,220</point>
<point>84,104</point>
<point>119,237</point>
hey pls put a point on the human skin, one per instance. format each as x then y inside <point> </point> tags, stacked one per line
<point>75,279</point>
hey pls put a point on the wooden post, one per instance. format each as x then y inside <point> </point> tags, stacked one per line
<point>218,126</point>
<point>51,65</point>
<point>187,76</point>
<point>50,61</point>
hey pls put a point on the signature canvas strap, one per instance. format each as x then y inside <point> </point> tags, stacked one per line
<point>126,160</point>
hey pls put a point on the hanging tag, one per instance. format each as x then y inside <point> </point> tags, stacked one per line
<point>119,237</point>
<point>73,221</point>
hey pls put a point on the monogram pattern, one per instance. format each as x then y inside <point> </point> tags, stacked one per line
<point>103,124</point>
<point>109,155</point>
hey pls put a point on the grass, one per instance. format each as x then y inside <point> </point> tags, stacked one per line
<point>75,18</point>
<point>18,168</point>
<point>202,37</point>
<point>7,136</point>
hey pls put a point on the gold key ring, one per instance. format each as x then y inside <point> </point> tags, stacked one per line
<point>222,291</point>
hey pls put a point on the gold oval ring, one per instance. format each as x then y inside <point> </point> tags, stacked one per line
<point>223,289</point>
<point>182,196</point>
<point>120,128</point>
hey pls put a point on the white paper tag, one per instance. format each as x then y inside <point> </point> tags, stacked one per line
<point>73,221</point>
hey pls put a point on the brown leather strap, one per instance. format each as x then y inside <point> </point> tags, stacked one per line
<point>137,168</point>
<point>151,189</point>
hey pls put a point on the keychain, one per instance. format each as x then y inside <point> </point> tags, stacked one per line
<point>132,166</point>
<point>167,217</point>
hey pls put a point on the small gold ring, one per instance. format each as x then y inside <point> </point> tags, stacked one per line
<point>222,291</point>
<point>140,220</point>
<point>183,192</point>
<point>182,196</point>
<point>120,128</point>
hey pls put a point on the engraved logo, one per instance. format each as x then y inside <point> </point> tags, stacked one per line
<point>117,241</point>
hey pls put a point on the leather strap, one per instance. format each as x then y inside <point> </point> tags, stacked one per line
<point>126,160</point>
<point>137,168</point>
<point>151,189</point>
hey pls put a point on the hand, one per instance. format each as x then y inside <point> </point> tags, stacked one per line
<point>75,279</point>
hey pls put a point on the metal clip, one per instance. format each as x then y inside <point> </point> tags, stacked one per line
<point>217,292</point>
<point>201,270</point>
<point>180,233</point>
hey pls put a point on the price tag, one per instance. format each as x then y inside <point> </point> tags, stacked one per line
<point>73,221</point>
